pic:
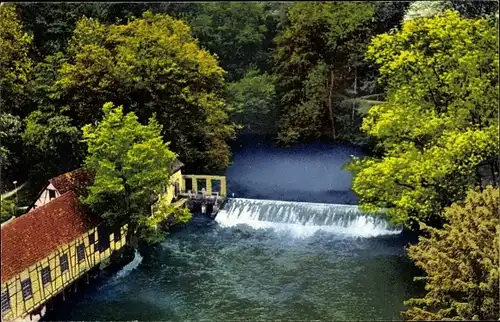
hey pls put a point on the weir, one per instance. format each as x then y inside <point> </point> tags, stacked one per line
<point>303,218</point>
<point>200,193</point>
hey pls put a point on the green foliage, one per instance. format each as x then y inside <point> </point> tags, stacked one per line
<point>154,229</point>
<point>253,102</point>
<point>468,9</point>
<point>313,58</point>
<point>8,209</point>
<point>461,263</point>
<point>236,32</point>
<point>45,74</point>
<point>10,131</point>
<point>439,120</point>
<point>182,215</point>
<point>52,145</point>
<point>52,24</point>
<point>131,163</point>
<point>152,65</point>
<point>15,64</point>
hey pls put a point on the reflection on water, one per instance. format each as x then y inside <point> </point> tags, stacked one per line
<point>301,173</point>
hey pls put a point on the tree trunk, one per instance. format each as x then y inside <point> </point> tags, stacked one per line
<point>131,238</point>
<point>355,92</point>
<point>330,105</point>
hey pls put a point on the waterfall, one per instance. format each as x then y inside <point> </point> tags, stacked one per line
<point>130,266</point>
<point>303,218</point>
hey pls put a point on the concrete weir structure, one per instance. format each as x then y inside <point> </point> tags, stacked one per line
<point>204,193</point>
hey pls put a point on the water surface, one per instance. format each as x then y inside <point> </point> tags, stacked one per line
<point>301,173</point>
<point>312,257</point>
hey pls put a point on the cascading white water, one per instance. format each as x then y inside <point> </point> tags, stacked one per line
<point>303,219</point>
<point>130,266</point>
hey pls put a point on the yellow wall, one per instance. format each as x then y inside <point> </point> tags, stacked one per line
<point>208,179</point>
<point>40,293</point>
<point>167,196</point>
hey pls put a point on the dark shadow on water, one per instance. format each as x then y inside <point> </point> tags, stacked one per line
<point>311,173</point>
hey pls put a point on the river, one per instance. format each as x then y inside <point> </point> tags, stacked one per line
<point>303,253</point>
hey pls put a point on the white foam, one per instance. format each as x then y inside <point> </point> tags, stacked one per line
<point>303,219</point>
<point>130,266</point>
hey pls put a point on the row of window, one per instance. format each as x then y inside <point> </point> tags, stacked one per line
<point>64,266</point>
<point>46,278</point>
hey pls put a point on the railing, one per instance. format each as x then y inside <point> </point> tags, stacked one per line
<point>208,179</point>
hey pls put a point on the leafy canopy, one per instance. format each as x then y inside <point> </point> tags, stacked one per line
<point>467,9</point>
<point>154,228</point>
<point>50,136</point>
<point>312,61</point>
<point>15,63</point>
<point>236,32</point>
<point>461,263</point>
<point>439,120</point>
<point>253,102</point>
<point>7,210</point>
<point>151,65</point>
<point>131,163</point>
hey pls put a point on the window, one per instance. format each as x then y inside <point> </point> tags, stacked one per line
<point>52,194</point>
<point>26,289</point>
<point>46,275</point>
<point>188,184</point>
<point>80,253</point>
<point>64,263</point>
<point>5,301</point>
<point>118,234</point>
<point>177,188</point>
<point>92,242</point>
<point>103,237</point>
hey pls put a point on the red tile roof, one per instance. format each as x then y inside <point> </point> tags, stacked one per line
<point>77,180</point>
<point>35,235</point>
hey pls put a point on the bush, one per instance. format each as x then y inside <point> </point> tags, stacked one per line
<point>461,262</point>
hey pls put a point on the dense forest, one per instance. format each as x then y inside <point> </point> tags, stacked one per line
<point>415,83</point>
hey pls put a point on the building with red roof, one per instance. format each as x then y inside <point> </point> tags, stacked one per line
<point>77,181</point>
<point>49,248</point>
<point>56,242</point>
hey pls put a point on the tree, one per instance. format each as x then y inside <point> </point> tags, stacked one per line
<point>51,24</point>
<point>131,166</point>
<point>15,72</point>
<point>15,64</point>
<point>155,228</point>
<point>312,61</point>
<point>468,9</point>
<point>151,65</point>
<point>52,145</point>
<point>236,32</point>
<point>461,263</point>
<point>10,131</point>
<point>7,210</point>
<point>439,120</point>
<point>253,102</point>
<point>418,9</point>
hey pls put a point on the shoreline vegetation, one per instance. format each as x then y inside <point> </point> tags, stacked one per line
<point>124,88</point>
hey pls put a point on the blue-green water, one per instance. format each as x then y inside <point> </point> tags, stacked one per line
<point>265,260</point>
